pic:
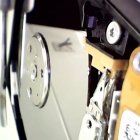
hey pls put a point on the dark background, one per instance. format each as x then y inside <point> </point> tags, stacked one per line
<point>58,13</point>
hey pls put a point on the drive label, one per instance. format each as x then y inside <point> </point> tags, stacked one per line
<point>129,126</point>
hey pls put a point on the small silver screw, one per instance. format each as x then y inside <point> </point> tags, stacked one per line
<point>136,62</point>
<point>113,32</point>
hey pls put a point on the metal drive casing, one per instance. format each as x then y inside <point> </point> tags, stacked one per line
<point>60,117</point>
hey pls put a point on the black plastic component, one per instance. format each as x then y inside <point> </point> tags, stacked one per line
<point>97,14</point>
<point>125,45</point>
<point>130,10</point>
<point>93,80</point>
<point>93,13</point>
<point>58,13</point>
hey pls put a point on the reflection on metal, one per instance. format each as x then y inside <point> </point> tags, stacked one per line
<point>113,114</point>
<point>28,5</point>
<point>3,113</point>
<point>98,123</point>
<point>94,124</point>
<point>4,7</point>
<point>36,69</point>
<point>136,62</point>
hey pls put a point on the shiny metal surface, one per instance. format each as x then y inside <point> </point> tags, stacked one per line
<point>98,123</point>
<point>3,46</point>
<point>36,67</point>
<point>136,62</point>
<point>6,4</point>
<point>94,132</point>
<point>61,116</point>
<point>113,32</point>
<point>29,5</point>
<point>95,114</point>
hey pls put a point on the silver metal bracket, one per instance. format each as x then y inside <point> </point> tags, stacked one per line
<point>91,129</point>
<point>95,125</point>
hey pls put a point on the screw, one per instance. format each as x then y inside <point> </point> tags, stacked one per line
<point>113,32</point>
<point>136,62</point>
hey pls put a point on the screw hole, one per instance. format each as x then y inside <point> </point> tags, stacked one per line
<point>41,73</point>
<point>96,103</point>
<point>30,48</point>
<point>101,89</point>
<point>29,91</point>
<point>89,124</point>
